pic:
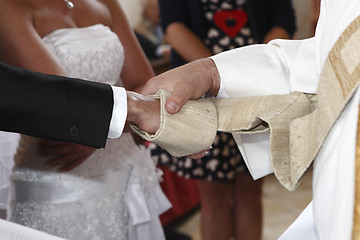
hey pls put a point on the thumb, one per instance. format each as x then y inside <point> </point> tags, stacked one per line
<point>177,99</point>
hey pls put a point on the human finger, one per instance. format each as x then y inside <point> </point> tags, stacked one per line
<point>199,155</point>
<point>180,95</point>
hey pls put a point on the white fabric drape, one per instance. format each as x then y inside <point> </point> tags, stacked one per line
<point>284,66</point>
<point>8,145</point>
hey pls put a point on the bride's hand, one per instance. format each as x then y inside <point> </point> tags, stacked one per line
<point>200,155</point>
<point>68,155</point>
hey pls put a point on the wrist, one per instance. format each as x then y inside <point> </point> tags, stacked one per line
<point>133,110</point>
<point>213,76</point>
<point>143,111</point>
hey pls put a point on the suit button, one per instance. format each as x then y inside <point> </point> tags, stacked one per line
<point>74,131</point>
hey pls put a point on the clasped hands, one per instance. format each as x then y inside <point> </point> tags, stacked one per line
<point>190,81</point>
<point>185,83</point>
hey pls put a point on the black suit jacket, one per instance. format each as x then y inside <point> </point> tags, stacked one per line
<point>54,107</point>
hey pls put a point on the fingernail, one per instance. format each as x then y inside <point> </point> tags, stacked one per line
<point>173,106</point>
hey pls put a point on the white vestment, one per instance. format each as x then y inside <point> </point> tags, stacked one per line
<point>285,66</point>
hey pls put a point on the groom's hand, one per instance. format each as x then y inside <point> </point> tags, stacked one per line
<point>143,112</point>
<point>190,81</point>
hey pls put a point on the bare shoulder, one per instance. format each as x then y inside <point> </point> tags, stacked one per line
<point>14,7</point>
<point>14,12</point>
<point>17,18</point>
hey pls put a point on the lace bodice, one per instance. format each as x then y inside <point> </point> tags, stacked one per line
<point>116,190</point>
<point>92,53</point>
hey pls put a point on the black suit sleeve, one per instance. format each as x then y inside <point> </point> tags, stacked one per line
<point>54,107</point>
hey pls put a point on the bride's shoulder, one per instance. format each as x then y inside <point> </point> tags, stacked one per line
<point>15,6</point>
<point>15,11</point>
<point>15,15</point>
<point>17,20</point>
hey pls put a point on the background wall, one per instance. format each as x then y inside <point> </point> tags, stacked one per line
<point>133,10</point>
<point>304,11</point>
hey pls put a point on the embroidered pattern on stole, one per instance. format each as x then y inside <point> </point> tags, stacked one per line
<point>338,82</point>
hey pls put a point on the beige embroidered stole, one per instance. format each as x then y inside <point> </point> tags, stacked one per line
<point>296,133</point>
<point>256,114</point>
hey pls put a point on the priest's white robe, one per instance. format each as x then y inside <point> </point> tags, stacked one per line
<point>285,66</point>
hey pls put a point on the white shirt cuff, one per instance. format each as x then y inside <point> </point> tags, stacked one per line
<point>222,92</point>
<point>119,114</point>
<point>254,148</point>
<point>255,151</point>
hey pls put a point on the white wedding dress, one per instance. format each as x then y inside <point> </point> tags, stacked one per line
<point>114,194</point>
<point>8,145</point>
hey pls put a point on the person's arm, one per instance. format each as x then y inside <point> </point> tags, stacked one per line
<point>137,69</point>
<point>282,20</point>
<point>49,106</point>
<point>16,51</point>
<point>280,67</point>
<point>135,72</point>
<point>189,46</point>
<point>34,104</point>
<point>174,20</point>
<point>189,81</point>
<point>276,33</point>
<point>143,113</point>
<point>254,148</point>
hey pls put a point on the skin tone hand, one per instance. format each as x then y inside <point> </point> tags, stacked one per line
<point>35,20</point>
<point>68,155</point>
<point>144,114</point>
<point>190,81</point>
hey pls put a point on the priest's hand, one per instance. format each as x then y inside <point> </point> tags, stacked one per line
<point>190,81</point>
